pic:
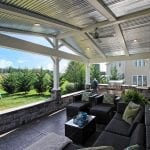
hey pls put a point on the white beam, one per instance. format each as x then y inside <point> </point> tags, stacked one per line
<point>73,49</point>
<point>122,19</point>
<point>95,46</point>
<point>100,7</point>
<point>18,31</point>
<point>121,39</point>
<point>18,44</point>
<point>50,41</point>
<point>121,58</point>
<point>105,11</point>
<point>36,17</point>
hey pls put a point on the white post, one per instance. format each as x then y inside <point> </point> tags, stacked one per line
<point>56,93</point>
<point>56,73</point>
<point>87,76</point>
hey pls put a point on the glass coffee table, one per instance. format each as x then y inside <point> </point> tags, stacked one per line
<point>80,134</point>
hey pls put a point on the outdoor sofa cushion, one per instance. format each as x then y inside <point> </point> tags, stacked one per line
<point>120,142</point>
<point>117,141</point>
<point>119,126</point>
<point>85,96</point>
<point>98,148</point>
<point>130,112</point>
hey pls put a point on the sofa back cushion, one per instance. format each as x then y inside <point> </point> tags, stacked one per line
<point>99,99</point>
<point>138,119</point>
<point>130,112</point>
<point>138,135</point>
<point>77,98</point>
<point>85,96</point>
<point>109,98</point>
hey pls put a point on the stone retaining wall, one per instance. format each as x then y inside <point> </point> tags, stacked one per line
<point>17,117</point>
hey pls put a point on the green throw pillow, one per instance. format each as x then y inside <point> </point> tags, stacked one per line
<point>132,147</point>
<point>98,148</point>
<point>109,98</point>
<point>130,112</point>
<point>85,96</point>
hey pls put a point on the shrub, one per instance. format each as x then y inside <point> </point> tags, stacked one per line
<point>135,96</point>
<point>9,82</point>
<point>68,87</point>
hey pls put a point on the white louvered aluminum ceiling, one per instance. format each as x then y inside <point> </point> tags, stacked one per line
<point>72,17</point>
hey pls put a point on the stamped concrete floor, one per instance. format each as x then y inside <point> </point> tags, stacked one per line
<point>26,135</point>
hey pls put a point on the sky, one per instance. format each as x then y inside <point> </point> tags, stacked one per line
<point>21,59</point>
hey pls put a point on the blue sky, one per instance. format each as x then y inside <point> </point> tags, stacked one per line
<point>21,59</point>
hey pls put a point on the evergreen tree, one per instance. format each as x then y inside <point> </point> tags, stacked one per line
<point>9,82</point>
<point>24,81</point>
<point>114,73</point>
<point>41,83</point>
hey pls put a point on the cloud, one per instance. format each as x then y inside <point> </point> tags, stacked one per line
<point>5,63</point>
<point>21,61</point>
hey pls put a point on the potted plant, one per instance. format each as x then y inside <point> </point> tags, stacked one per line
<point>135,96</point>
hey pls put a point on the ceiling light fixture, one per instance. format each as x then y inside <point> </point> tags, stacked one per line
<point>87,48</point>
<point>37,24</point>
<point>135,40</point>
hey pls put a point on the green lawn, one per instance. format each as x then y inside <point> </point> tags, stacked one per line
<point>20,99</point>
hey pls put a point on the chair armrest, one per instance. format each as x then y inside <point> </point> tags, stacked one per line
<point>121,107</point>
<point>116,101</point>
<point>77,98</point>
<point>99,99</point>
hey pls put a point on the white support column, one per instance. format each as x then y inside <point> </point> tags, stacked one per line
<point>56,93</point>
<point>87,76</point>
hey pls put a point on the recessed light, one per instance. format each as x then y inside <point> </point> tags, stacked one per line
<point>37,24</point>
<point>87,48</point>
<point>135,40</point>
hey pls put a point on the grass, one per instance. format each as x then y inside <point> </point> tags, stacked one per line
<point>20,99</point>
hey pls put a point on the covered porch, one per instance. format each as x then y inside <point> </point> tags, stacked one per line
<point>95,30</point>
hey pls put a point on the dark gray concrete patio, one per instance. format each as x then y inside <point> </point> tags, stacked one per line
<point>26,135</point>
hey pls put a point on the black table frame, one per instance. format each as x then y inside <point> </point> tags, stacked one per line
<point>80,134</point>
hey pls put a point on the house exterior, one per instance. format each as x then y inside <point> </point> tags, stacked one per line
<point>134,72</point>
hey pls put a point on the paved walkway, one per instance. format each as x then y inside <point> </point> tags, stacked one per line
<point>26,135</point>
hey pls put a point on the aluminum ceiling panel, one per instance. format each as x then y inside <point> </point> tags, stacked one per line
<point>136,23</point>
<point>15,22</point>
<point>138,39</point>
<point>108,41</point>
<point>124,7</point>
<point>76,12</point>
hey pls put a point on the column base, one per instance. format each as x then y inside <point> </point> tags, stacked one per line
<point>87,86</point>
<point>56,95</point>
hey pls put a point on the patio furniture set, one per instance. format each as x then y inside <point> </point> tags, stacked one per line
<point>117,132</point>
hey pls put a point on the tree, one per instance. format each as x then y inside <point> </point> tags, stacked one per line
<point>41,82</point>
<point>75,73</point>
<point>114,73</point>
<point>24,81</point>
<point>95,72</point>
<point>9,82</point>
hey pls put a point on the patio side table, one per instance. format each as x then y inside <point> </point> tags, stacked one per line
<point>80,134</point>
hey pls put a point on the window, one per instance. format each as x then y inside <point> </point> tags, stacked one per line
<point>119,64</point>
<point>139,80</point>
<point>134,80</point>
<point>140,63</point>
<point>144,80</point>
